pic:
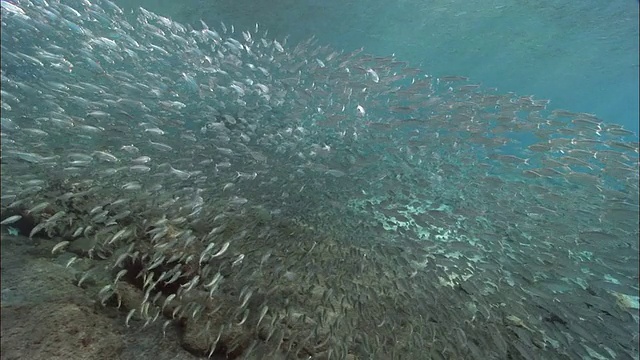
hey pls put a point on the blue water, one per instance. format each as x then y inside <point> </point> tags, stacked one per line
<point>583,55</point>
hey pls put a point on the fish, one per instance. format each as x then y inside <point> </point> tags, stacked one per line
<point>311,193</point>
<point>11,219</point>
<point>59,246</point>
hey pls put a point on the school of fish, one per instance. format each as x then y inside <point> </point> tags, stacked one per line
<point>293,201</point>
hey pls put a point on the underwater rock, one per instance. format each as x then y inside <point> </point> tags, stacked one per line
<point>79,333</point>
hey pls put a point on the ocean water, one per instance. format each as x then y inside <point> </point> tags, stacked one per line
<point>582,55</point>
<point>178,189</point>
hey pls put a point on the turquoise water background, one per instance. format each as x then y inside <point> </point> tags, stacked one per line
<point>583,55</point>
